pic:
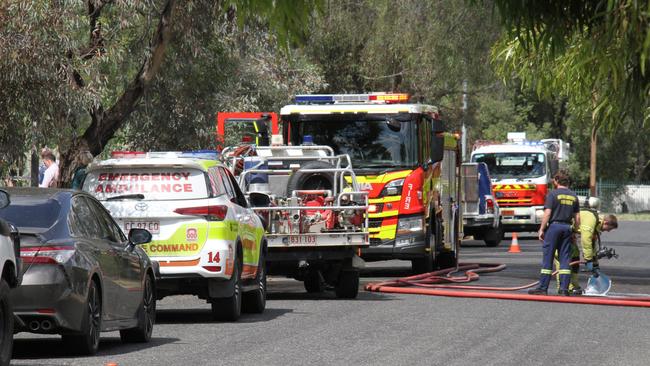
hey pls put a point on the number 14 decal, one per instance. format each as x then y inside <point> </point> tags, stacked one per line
<point>213,257</point>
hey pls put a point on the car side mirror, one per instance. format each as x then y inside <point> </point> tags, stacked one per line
<point>4,199</point>
<point>257,199</point>
<point>139,236</point>
<point>437,140</point>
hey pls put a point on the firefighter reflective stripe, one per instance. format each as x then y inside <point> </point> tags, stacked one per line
<point>546,271</point>
<point>564,271</point>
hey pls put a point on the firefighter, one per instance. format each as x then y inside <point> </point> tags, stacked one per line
<point>591,226</point>
<point>561,210</point>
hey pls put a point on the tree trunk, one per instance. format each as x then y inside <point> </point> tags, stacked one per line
<point>105,123</point>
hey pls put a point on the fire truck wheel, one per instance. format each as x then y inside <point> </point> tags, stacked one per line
<point>314,282</point>
<point>348,285</point>
<point>301,180</point>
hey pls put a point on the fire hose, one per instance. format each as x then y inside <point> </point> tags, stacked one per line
<point>442,283</point>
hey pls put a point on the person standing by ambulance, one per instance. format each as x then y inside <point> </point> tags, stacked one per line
<point>561,210</point>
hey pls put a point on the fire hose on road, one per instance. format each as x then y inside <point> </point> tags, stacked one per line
<point>442,283</point>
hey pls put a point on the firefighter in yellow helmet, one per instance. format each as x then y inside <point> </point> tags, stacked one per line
<point>591,226</point>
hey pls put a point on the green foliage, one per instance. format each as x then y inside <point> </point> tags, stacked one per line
<point>593,52</point>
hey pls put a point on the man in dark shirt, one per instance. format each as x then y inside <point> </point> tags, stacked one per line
<point>561,209</point>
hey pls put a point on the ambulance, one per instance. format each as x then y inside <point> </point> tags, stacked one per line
<point>206,239</point>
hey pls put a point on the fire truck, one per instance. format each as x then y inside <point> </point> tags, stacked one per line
<point>403,158</point>
<point>522,173</point>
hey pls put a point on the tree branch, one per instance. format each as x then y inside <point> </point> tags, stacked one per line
<point>105,123</point>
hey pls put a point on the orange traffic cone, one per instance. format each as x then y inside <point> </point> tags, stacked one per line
<point>514,246</point>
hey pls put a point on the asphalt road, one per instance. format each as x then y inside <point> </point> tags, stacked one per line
<point>299,329</point>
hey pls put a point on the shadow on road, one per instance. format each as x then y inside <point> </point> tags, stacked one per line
<point>328,295</point>
<point>195,316</point>
<point>53,347</point>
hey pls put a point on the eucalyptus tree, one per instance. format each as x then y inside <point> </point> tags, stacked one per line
<point>72,72</point>
<point>596,53</point>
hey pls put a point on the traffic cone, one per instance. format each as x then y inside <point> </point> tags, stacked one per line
<point>514,246</point>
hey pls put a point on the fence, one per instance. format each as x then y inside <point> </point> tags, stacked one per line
<point>621,197</point>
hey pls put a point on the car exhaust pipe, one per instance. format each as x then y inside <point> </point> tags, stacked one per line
<point>46,325</point>
<point>34,325</point>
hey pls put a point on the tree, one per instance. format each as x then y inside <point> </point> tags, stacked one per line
<point>593,52</point>
<point>81,68</point>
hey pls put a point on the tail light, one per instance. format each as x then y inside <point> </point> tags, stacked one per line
<point>489,205</point>
<point>211,213</point>
<point>46,254</point>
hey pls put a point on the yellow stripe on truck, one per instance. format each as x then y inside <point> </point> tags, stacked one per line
<point>385,232</point>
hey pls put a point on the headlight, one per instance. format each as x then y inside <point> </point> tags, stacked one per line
<point>409,225</point>
<point>393,188</point>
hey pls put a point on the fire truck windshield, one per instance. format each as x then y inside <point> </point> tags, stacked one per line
<point>372,143</point>
<point>513,165</point>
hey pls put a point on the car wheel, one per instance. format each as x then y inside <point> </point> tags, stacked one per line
<point>348,285</point>
<point>87,341</point>
<point>314,282</point>
<point>255,301</point>
<point>146,316</point>
<point>229,308</point>
<point>6,324</point>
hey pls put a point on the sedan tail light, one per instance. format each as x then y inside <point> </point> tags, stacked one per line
<point>211,213</point>
<point>46,254</point>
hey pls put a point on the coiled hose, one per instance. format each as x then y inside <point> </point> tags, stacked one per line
<point>442,283</point>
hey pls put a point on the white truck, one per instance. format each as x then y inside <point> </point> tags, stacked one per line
<point>522,173</point>
<point>313,208</point>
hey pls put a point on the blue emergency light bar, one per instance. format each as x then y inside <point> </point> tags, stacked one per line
<point>376,98</point>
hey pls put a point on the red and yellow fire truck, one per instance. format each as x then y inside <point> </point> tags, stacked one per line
<point>402,155</point>
<point>521,172</point>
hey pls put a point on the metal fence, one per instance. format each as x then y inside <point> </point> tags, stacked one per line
<point>621,197</point>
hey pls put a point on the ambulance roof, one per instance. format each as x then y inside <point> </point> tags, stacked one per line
<point>152,162</point>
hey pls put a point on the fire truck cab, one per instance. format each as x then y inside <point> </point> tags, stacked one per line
<point>403,158</point>
<point>522,173</point>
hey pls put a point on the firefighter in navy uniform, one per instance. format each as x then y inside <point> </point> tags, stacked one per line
<point>561,210</point>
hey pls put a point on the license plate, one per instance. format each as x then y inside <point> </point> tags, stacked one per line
<point>302,239</point>
<point>152,226</point>
<point>507,212</point>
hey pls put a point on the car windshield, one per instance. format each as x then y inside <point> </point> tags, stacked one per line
<point>31,213</point>
<point>370,143</point>
<point>513,165</point>
<point>151,183</point>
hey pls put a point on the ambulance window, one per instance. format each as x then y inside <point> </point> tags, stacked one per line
<point>241,200</point>
<point>216,182</point>
<point>154,183</point>
<point>226,183</point>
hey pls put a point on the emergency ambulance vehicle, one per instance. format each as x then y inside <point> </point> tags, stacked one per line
<point>402,157</point>
<point>206,239</point>
<point>522,173</point>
